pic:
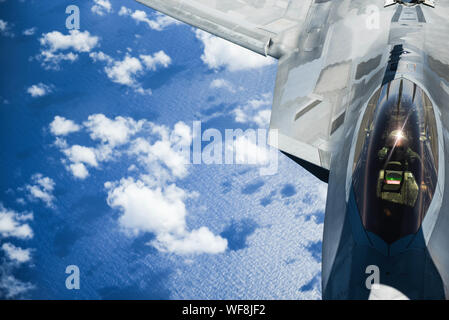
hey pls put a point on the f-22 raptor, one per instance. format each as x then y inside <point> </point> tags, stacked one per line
<point>362,102</point>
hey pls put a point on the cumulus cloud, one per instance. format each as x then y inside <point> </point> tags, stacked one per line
<point>154,203</point>
<point>81,154</point>
<point>149,210</point>
<point>113,132</point>
<point>126,71</point>
<point>256,111</point>
<point>54,42</point>
<point>161,211</point>
<point>75,40</point>
<point>101,7</point>
<point>151,202</point>
<point>248,151</point>
<point>61,126</point>
<point>201,240</point>
<point>167,155</point>
<point>51,60</point>
<point>16,254</point>
<point>11,287</point>
<point>159,23</point>
<point>222,84</point>
<point>38,90</point>
<point>29,32</point>
<point>219,53</point>
<point>5,29</point>
<point>110,133</point>
<point>100,56</point>
<point>79,170</point>
<point>158,59</point>
<point>14,224</point>
<point>79,157</point>
<point>41,188</point>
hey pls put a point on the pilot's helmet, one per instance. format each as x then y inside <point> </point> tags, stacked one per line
<point>397,138</point>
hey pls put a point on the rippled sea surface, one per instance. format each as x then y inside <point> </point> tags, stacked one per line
<point>273,224</point>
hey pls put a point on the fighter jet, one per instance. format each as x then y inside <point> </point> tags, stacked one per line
<point>362,102</point>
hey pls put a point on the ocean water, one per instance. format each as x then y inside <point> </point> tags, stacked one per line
<point>273,224</point>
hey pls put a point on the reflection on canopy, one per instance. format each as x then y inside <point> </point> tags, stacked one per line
<point>396,160</point>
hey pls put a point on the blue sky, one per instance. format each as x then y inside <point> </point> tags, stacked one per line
<point>91,175</point>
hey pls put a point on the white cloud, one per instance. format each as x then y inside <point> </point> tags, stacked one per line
<point>222,84</point>
<point>60,126</point>
<point>51,60</point>
<point>169,152</point>
<point>79,170</point>
<point>124,11</point>
<point>29,32</point>
<point>100,56</point>
<point>13,224</point>
<point>75,40</point>
<point>159,58</point>
<point>254,111</point>
<point>80,154</point>
<point>149,210</point>
<point>152,202</point>
<point>54,42</point>
<point>16,254</point>
<point>127,71</point>
<point>219,53</point>
<point>61,143</point>
<point>101,7</point>
<point>161,211</point>
<point>248,152</point>
<point>112,131</point>
<point>165,152</point>
<point>42,188</point>
<point>262,118</point>
<point>156,205</point>
<point>124,71</point>
<point>201,240</point>
<point>11,287</point>
<point>38,90</point>
<point>5,29</point>
<point>161,21</point>
<point>181,134</point>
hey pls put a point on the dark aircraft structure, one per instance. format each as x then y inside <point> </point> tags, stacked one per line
<point>362,102</point>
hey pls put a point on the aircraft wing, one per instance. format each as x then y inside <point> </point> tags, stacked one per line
<point>323,47</point>
<point>436,36</point>
<point>342,54</point>
<point>268,27</point>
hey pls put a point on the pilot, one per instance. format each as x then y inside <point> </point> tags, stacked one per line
<point>397,185</point>
<point>399,143</point>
